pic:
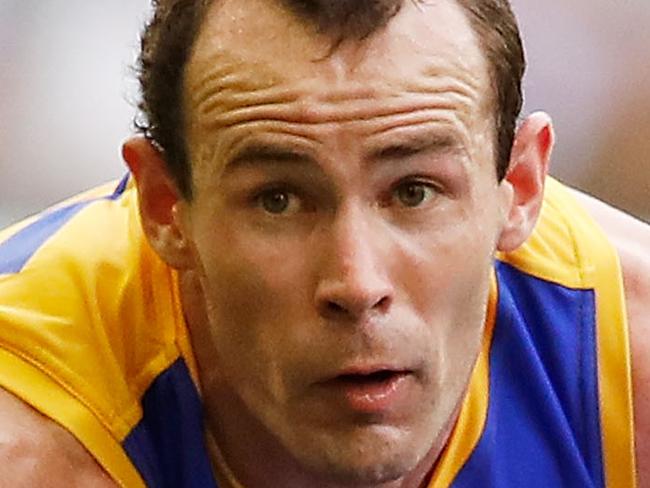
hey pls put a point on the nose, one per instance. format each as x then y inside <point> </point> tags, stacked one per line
<point>354,282</point>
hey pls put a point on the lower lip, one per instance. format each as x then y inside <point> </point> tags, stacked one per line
<point>374,397</point>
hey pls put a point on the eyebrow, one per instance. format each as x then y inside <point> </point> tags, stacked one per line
<point>416,144</point>
<point>266,153</point>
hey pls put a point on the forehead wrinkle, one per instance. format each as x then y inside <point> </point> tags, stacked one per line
<point>438,129</point>
<point>213,80</point>
<point>216,111</point>
<point>416,137</point>
<point>285,136</point>
<point>230,142</point>
<point>257,117</point>
<point>233,91</point>
<point>468,78</point>
<point>300,107</point>
<point>414,120</point>
<point>216,87</point>
<point>434,79</point>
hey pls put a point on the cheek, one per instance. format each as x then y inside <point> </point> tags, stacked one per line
<point>448,285</point>
<point>450,270</point>
<point>254,293</point>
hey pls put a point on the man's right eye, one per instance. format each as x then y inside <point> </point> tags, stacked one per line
<point>278,202</point>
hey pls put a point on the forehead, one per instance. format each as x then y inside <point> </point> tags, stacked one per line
<point>257,44</point>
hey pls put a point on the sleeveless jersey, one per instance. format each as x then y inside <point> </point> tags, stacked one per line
<point>92,335</point>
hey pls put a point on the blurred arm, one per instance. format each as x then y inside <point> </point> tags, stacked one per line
<point>35,451</point>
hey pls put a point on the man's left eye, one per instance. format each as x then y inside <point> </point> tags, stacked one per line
<point>276,201</point>
<point>414,193</point>
<point>279,201</point>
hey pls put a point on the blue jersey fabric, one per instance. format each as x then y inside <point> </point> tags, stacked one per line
<point>167,446</point>
<point>543,427</point>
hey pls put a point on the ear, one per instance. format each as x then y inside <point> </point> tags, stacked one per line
<point>524,181</point>
<point>163,211</point>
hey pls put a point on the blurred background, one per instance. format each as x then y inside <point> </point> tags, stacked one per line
<point>67,95</point>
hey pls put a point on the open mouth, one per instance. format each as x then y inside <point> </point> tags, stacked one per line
<point>375,392</point>
<point>376,377</point>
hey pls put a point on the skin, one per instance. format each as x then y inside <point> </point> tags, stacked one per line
<point>294,298</point>
<point>351,273</point>
<point>34,451</point>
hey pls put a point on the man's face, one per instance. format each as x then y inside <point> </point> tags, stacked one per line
<point>345,216</point>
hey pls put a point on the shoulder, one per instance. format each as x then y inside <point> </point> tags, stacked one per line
<point>631,238</point>
<point>37,452</point>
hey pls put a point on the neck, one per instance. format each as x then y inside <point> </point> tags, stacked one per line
<point>224,475</point>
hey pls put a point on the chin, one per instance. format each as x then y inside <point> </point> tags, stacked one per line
<point>359,462</point>
<point>375,474</point>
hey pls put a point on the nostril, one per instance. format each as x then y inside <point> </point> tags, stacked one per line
<point>335,308</point>
<point>383,303</point>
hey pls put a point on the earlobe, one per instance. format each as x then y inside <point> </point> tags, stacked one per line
<point>163,211</point>
<point>525,179</point>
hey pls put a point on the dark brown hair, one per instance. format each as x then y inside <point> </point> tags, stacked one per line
<point>169,36</point>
